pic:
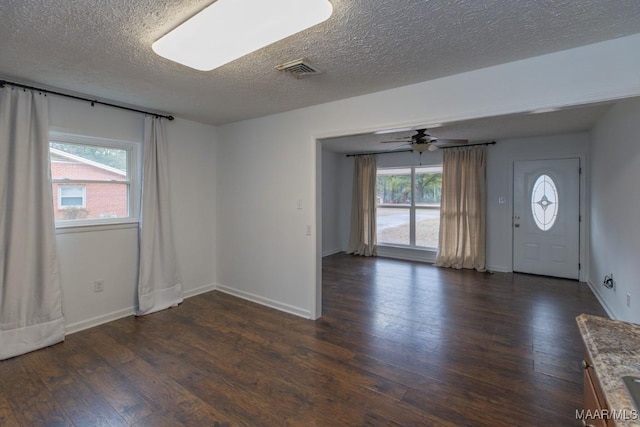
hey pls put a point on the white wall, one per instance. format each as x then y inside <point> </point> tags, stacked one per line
<point>264,165</point>
<point>337,183</point>
<point>615,204</point>
<point>331,239</point>
<point>345,172</point>
<point>111,255</point>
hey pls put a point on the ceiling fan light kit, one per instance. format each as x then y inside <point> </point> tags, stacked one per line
<point>229,29</point>
<point>421,147</point>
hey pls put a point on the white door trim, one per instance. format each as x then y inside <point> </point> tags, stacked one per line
<point>584,203</point>
<point>555,252</point>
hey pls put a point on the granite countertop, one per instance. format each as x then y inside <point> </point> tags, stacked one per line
<point>614,347</point>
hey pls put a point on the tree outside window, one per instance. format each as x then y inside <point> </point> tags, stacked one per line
<point>408,210</point>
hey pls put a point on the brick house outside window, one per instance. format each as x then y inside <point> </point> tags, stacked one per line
<point>95,190</point>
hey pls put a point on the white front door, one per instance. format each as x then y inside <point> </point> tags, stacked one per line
<point>546,217</point>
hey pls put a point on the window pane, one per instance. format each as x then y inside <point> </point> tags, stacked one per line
<point>544,202</point>
<point>71,196</point>
<point>393,187</point>
<point>427,227</point>
<point>89,182</point>
<point>428,186</point>
<point>70,201</point>
<point>71,191</point>
<point>87,162</point>
<point>393,225</point>
<point>101,200</point>
<point>422,201</point>
<point>428,190</point>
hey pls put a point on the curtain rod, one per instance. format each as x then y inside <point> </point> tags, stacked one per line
<point>381,152</point>
<point>80,98</point>
<point>406,151</point>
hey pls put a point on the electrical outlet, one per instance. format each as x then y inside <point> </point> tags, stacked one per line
<point>308,230</point>
<point>608,282</point>
<point>629,300</point>
<point>98,286</point>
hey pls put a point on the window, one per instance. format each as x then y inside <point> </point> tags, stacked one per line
<point>72,196</point>
<point>544,202</point>
<point>94,180</point>
<point>408,206</point>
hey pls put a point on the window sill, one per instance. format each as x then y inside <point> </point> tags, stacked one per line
<point>67,229</point>
<point>410,253</point>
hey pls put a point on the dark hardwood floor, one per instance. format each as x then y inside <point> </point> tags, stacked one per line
<point>400,343</point>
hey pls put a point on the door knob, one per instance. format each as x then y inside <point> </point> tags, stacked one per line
<point>516,225</point>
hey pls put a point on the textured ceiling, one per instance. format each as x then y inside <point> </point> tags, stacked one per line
<point>103,48</point>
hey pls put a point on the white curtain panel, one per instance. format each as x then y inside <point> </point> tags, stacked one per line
<point>30,291</point>
<point>362,237</point>
<point>159,284</point>
<point>463,209</point>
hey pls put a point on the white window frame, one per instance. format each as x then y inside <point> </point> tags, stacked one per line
<point>134,177</point>
<point>412,207</point>
<point>83,189</point>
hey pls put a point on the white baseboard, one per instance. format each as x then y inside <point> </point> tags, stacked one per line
<point>408,254</point>
<point>98,320</point>
<point>498,269</point>
<point>119,314</point>
<point>331,252</point>
<point>287,308</point>
<point>201,290</point>
<point>601,300</point>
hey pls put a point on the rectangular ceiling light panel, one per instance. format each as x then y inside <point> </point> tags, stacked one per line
<point>229,29</point>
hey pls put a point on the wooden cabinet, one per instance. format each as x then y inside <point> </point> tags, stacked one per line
<point>594,402</point>
<point>611,353</point>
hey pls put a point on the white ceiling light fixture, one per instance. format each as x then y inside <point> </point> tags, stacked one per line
<point>230,29</point>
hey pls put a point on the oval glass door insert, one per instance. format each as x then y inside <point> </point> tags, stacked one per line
<point>544,202</point>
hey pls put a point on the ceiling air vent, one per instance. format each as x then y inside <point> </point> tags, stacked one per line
<point>299,68</point>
